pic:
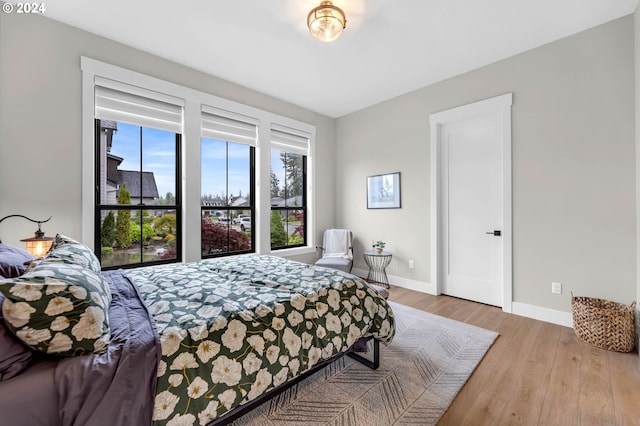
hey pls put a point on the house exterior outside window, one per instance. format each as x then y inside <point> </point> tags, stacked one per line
<point>227,182</point>
<point>288,188</point>
<point>227,227</point>
<point>136,224</point>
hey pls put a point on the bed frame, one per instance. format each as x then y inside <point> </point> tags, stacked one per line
<point>240,411</point>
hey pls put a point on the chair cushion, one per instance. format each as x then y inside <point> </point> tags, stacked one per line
<point>336,263</point>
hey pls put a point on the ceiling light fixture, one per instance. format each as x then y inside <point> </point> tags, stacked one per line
<point>326,21</point>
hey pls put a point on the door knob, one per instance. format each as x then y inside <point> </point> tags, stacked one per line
<point>497,233</point>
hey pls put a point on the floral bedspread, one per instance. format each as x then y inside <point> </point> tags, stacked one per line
<point>235,327</point>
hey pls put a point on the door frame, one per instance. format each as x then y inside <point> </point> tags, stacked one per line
<point>499,104</point>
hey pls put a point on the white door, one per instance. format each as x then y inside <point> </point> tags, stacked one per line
<point>473,231</point>
<point>472,209</point>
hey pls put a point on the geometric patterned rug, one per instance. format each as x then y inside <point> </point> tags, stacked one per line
<point>420,374</point>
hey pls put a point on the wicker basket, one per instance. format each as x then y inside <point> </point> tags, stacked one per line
<point>605,324</point>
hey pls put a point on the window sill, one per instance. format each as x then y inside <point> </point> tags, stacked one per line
<point>293,251</point>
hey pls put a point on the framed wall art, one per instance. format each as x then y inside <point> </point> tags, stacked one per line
<point>383,191</point>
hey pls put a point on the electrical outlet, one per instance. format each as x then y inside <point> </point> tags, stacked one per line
<point>556,288</point>
<point>412,264</point>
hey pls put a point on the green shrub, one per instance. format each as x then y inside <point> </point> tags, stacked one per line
<point>108,230</point>
<point>295,239</point>
<point>278,234</point>
<point>147,233</point>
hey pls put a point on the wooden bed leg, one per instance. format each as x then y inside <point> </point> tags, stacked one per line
<point>372,364</point>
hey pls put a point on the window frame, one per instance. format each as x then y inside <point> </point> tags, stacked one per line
<point>228,208</point>
<point>140,207</point>
<point>92,69</point>
<point>290,208</point>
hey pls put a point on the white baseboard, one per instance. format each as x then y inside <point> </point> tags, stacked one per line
<point>402,282</point>
<point>517,308</point>
<point>542,314</point>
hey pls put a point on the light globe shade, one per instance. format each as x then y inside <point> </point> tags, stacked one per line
<point>326,21</point>
<point>38,246</point>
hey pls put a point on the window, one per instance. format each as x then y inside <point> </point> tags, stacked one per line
<point>236,147</point>
<point>288,183</point>
<point>137,211</point>
<point>227,183</point>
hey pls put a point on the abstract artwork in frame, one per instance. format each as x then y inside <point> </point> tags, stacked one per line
<point>383,191</point>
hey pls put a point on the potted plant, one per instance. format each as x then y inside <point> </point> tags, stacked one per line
<point>378,246</point>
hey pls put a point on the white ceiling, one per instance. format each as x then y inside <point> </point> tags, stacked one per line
<point>389,47</point>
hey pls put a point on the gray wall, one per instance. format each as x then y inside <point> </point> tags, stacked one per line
<point>40,120</point>
<point>573,166</point>
<point>573,151</point>
<point>636,17</point>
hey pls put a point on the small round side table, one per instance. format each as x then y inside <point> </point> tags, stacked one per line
<point>377,263</point>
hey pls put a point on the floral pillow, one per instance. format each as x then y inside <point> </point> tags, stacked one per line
<point>68,250</point>
<point>58,308</point>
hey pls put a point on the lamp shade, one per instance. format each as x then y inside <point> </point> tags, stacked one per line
<point>326,21</point>
<point>39,245</point>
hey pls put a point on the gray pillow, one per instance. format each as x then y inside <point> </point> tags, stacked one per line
<point>14,356</point>
<point>12,260</point>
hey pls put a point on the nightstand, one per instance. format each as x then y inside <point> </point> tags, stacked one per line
<point>377,263</point>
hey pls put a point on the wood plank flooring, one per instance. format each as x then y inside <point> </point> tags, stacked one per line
<point>536,373</point>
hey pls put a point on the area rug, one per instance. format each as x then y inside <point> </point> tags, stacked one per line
<point>420,373</point>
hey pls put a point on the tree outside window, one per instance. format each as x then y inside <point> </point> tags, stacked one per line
<point>227,201</point>
<point>288,199</point>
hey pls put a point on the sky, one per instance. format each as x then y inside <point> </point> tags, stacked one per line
<point>214,168</point>
<point>158,147</point>
<point>159,153</point>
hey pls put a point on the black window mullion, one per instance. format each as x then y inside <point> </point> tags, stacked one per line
<point>304,199</point>
<point>227,240</point>
<point>286,176</point>
<point>227,196</point>
<point>252,195</point>
<point>287,209</point>
<point>178,199</point>
<point>140,202</point>
<point>97,219</point>
<point>138,208</point>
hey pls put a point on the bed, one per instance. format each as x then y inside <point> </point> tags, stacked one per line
<point>186,343</point>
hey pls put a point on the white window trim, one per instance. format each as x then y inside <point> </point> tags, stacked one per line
<point>194,99</point>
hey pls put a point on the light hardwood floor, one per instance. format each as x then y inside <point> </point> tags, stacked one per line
<point>536,373</point>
